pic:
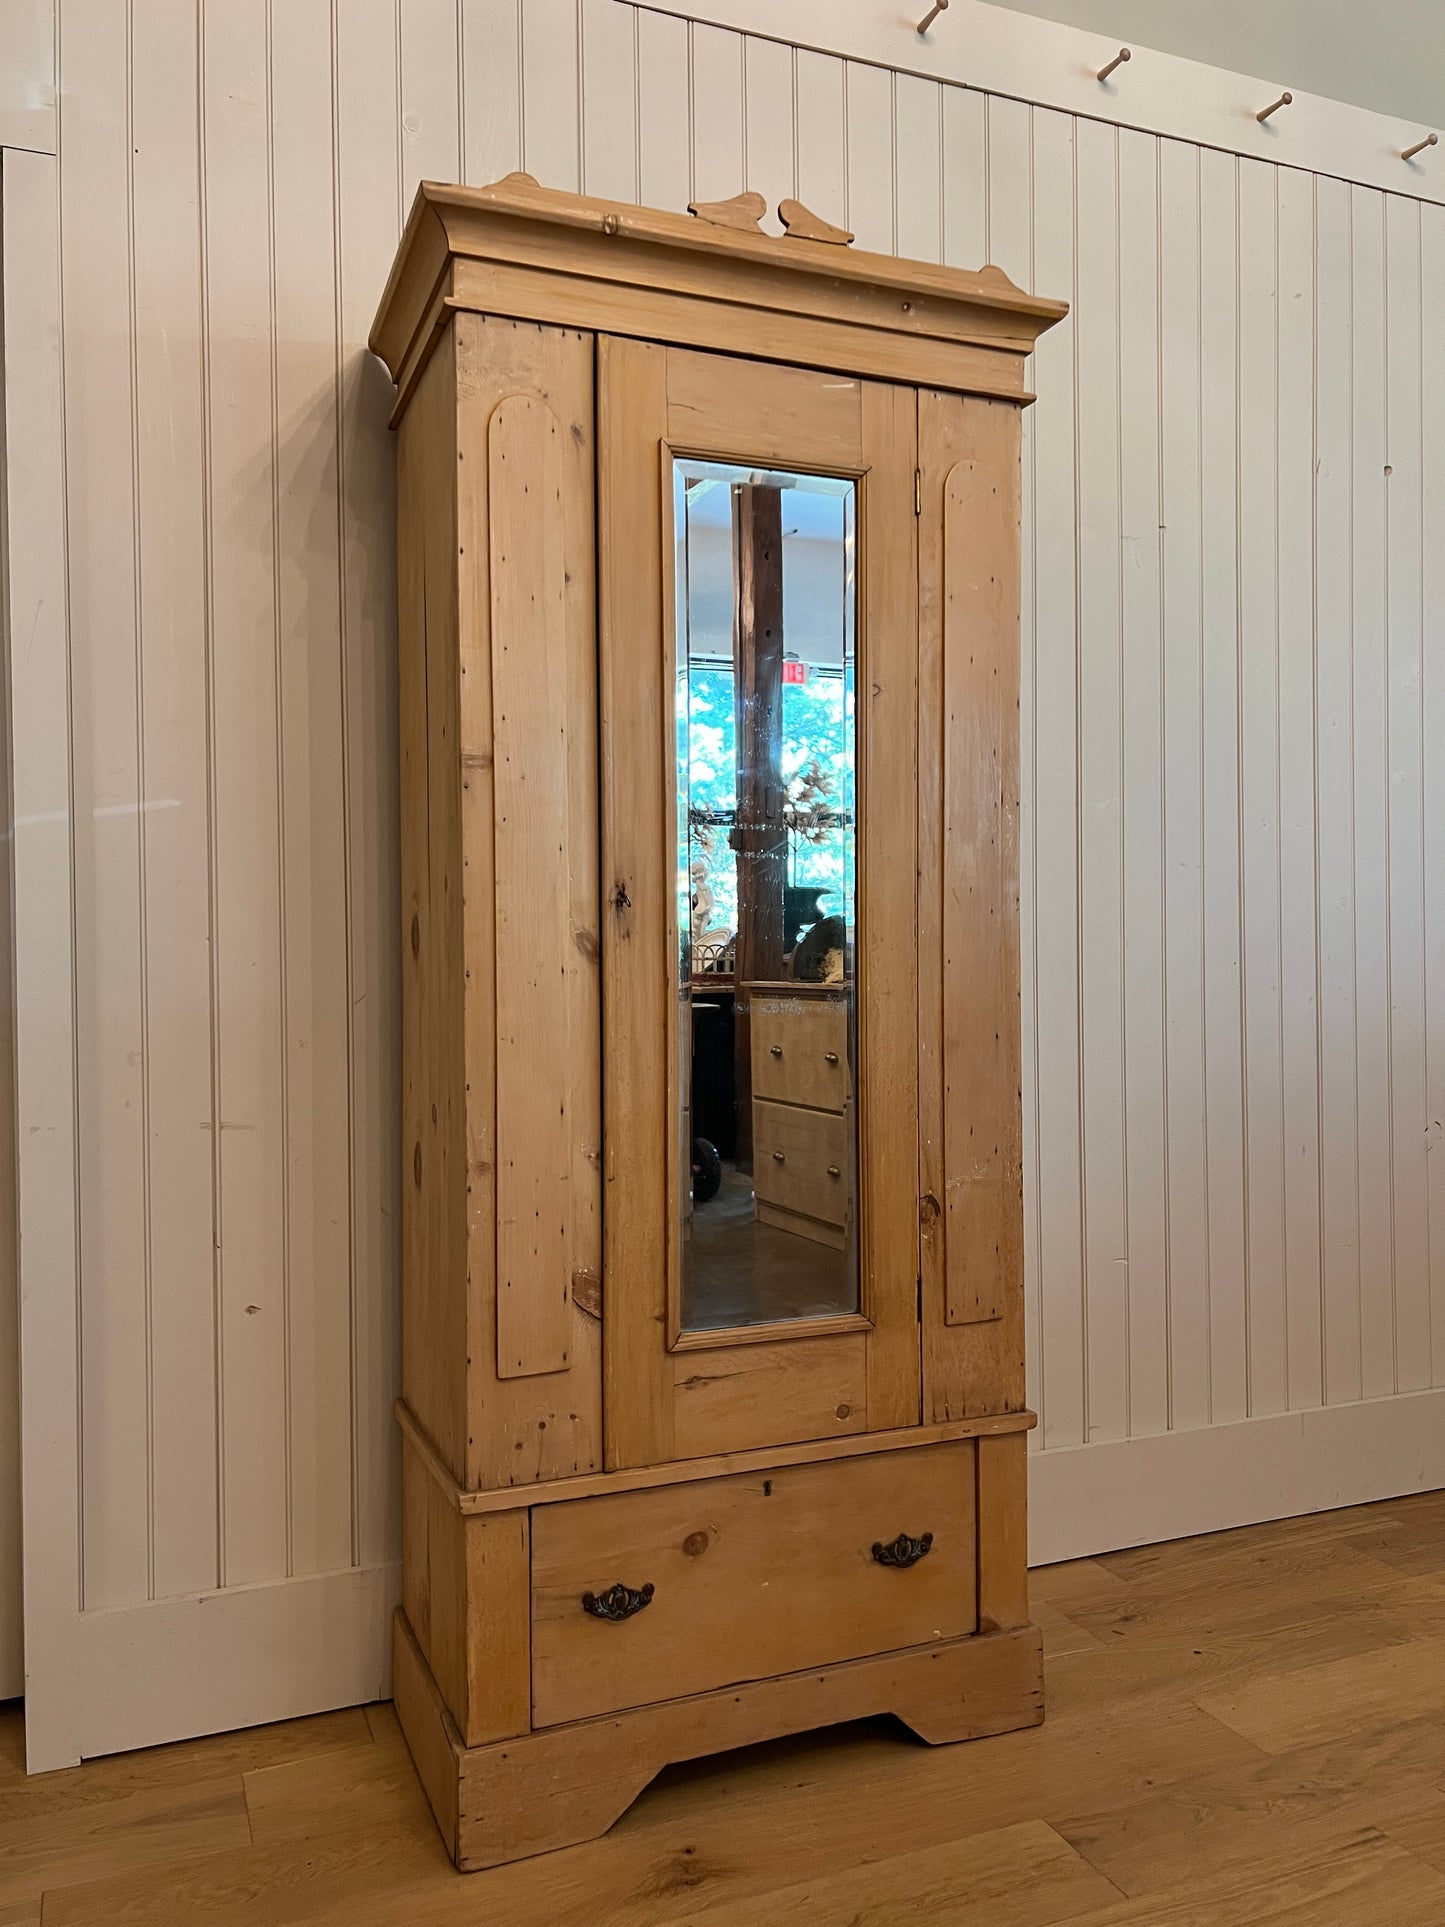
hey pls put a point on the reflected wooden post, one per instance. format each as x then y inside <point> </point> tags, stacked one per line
<point>760,836</point>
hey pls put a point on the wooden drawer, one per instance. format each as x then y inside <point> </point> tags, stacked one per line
<point>800,1050</point>
<point>752,1576</point>
<point>800,1160</point>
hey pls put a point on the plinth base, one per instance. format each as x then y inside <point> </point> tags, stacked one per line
<point>561,1785</point>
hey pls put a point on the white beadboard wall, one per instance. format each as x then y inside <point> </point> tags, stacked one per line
<point>1234,706</point>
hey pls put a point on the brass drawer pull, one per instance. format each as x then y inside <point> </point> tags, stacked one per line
<point>830,1057</point>
<point>619,1602</point>
<point>902,1551</point>
<point>778,1158</point>
<point>775,1050</point>
<point>834,1172</point>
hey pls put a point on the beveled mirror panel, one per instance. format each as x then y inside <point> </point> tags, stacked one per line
<point>766,768</point>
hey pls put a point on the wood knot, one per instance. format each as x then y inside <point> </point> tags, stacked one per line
<point>695,1544</point>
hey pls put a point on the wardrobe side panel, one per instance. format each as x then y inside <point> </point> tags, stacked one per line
<point>435,1339</point>
<point>972,1210</point>
<point>523,1012</point>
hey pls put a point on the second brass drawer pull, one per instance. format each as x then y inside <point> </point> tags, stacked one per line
<point>778,1158</point>
<point>775,1050</point>
<point>902,1551</point>
<point>830,1056</point>
<point>834,1172</point>
<point>618,1602</point>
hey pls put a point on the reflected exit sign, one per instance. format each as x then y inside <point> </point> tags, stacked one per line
<point>795,672</point>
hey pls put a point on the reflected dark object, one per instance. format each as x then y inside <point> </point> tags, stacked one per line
<point>706,1170</point>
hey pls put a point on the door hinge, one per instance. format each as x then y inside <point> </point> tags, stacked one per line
<point>918,491</point>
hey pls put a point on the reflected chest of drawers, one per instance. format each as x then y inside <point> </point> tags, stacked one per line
<point>802,1109</point>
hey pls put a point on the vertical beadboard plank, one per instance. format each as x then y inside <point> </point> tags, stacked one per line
<point>1101,759</point>
<point>1405,643</point>
<point>1369,609</point>
<point>918,167</point>
<point>12,1577</point>
<point>822,144</point>
<point>1146,1135</point>
<point>769,146</point>
<point>1432,709</point>
<point>609,100</point>
<point>40,744</point>
<point>313,798</point>
<point>369,220</point>
<point>1056,775</point>
<point>1224,1095</point>
<point>491,84</point>
<point>1258,403</point>
<point>1334,837</point>
<point>175,830</point>
<point>1001,168</point>
<point>717,114</point>
<point>551,99</point>
<point>965,178</point>
<point>871,207</point>
<point>250,1014</point>
<point>110,1032</point>
<point>1182,516</point>
<point>663,140</point>
<point>431,94</point>
<point>1299,1035</point>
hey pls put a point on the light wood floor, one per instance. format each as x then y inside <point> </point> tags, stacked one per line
<point>1243,1729</point>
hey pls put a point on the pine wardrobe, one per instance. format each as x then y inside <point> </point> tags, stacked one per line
<point>713,1406</point>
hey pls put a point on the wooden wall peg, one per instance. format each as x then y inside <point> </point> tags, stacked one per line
<point>1409,153</point>
<point>803,225</point>
<point>743,211</point>
<point>1285,100</point>
<point>1119,59</point>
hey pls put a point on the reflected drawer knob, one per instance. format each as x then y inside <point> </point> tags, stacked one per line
<point>834,1172</point>
<point>905,1550</point>
<point>830,1056</point>
<point>618,1602</point>
<point>775,1050</point>
<point>778,1158</point>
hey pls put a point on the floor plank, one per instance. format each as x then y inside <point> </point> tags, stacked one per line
<point>1022,1876</point>
<point>1255,1817</point>
<point>1358,1694</point>
<point>1365,1877</point>
<point>149,1827</point>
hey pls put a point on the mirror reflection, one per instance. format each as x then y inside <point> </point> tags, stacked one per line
<point>767,885</point>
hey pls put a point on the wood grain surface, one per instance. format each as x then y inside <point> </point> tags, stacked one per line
<point>1309,1793</point>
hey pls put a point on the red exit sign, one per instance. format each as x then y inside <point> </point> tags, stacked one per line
<point>795,672</point>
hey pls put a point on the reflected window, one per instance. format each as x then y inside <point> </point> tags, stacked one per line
<point>767,888</point>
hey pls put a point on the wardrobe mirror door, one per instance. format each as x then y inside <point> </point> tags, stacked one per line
<point>767,862</point>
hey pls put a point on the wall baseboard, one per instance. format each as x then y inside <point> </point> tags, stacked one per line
<point>146,1675</point>
<point>1134,1492</point>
